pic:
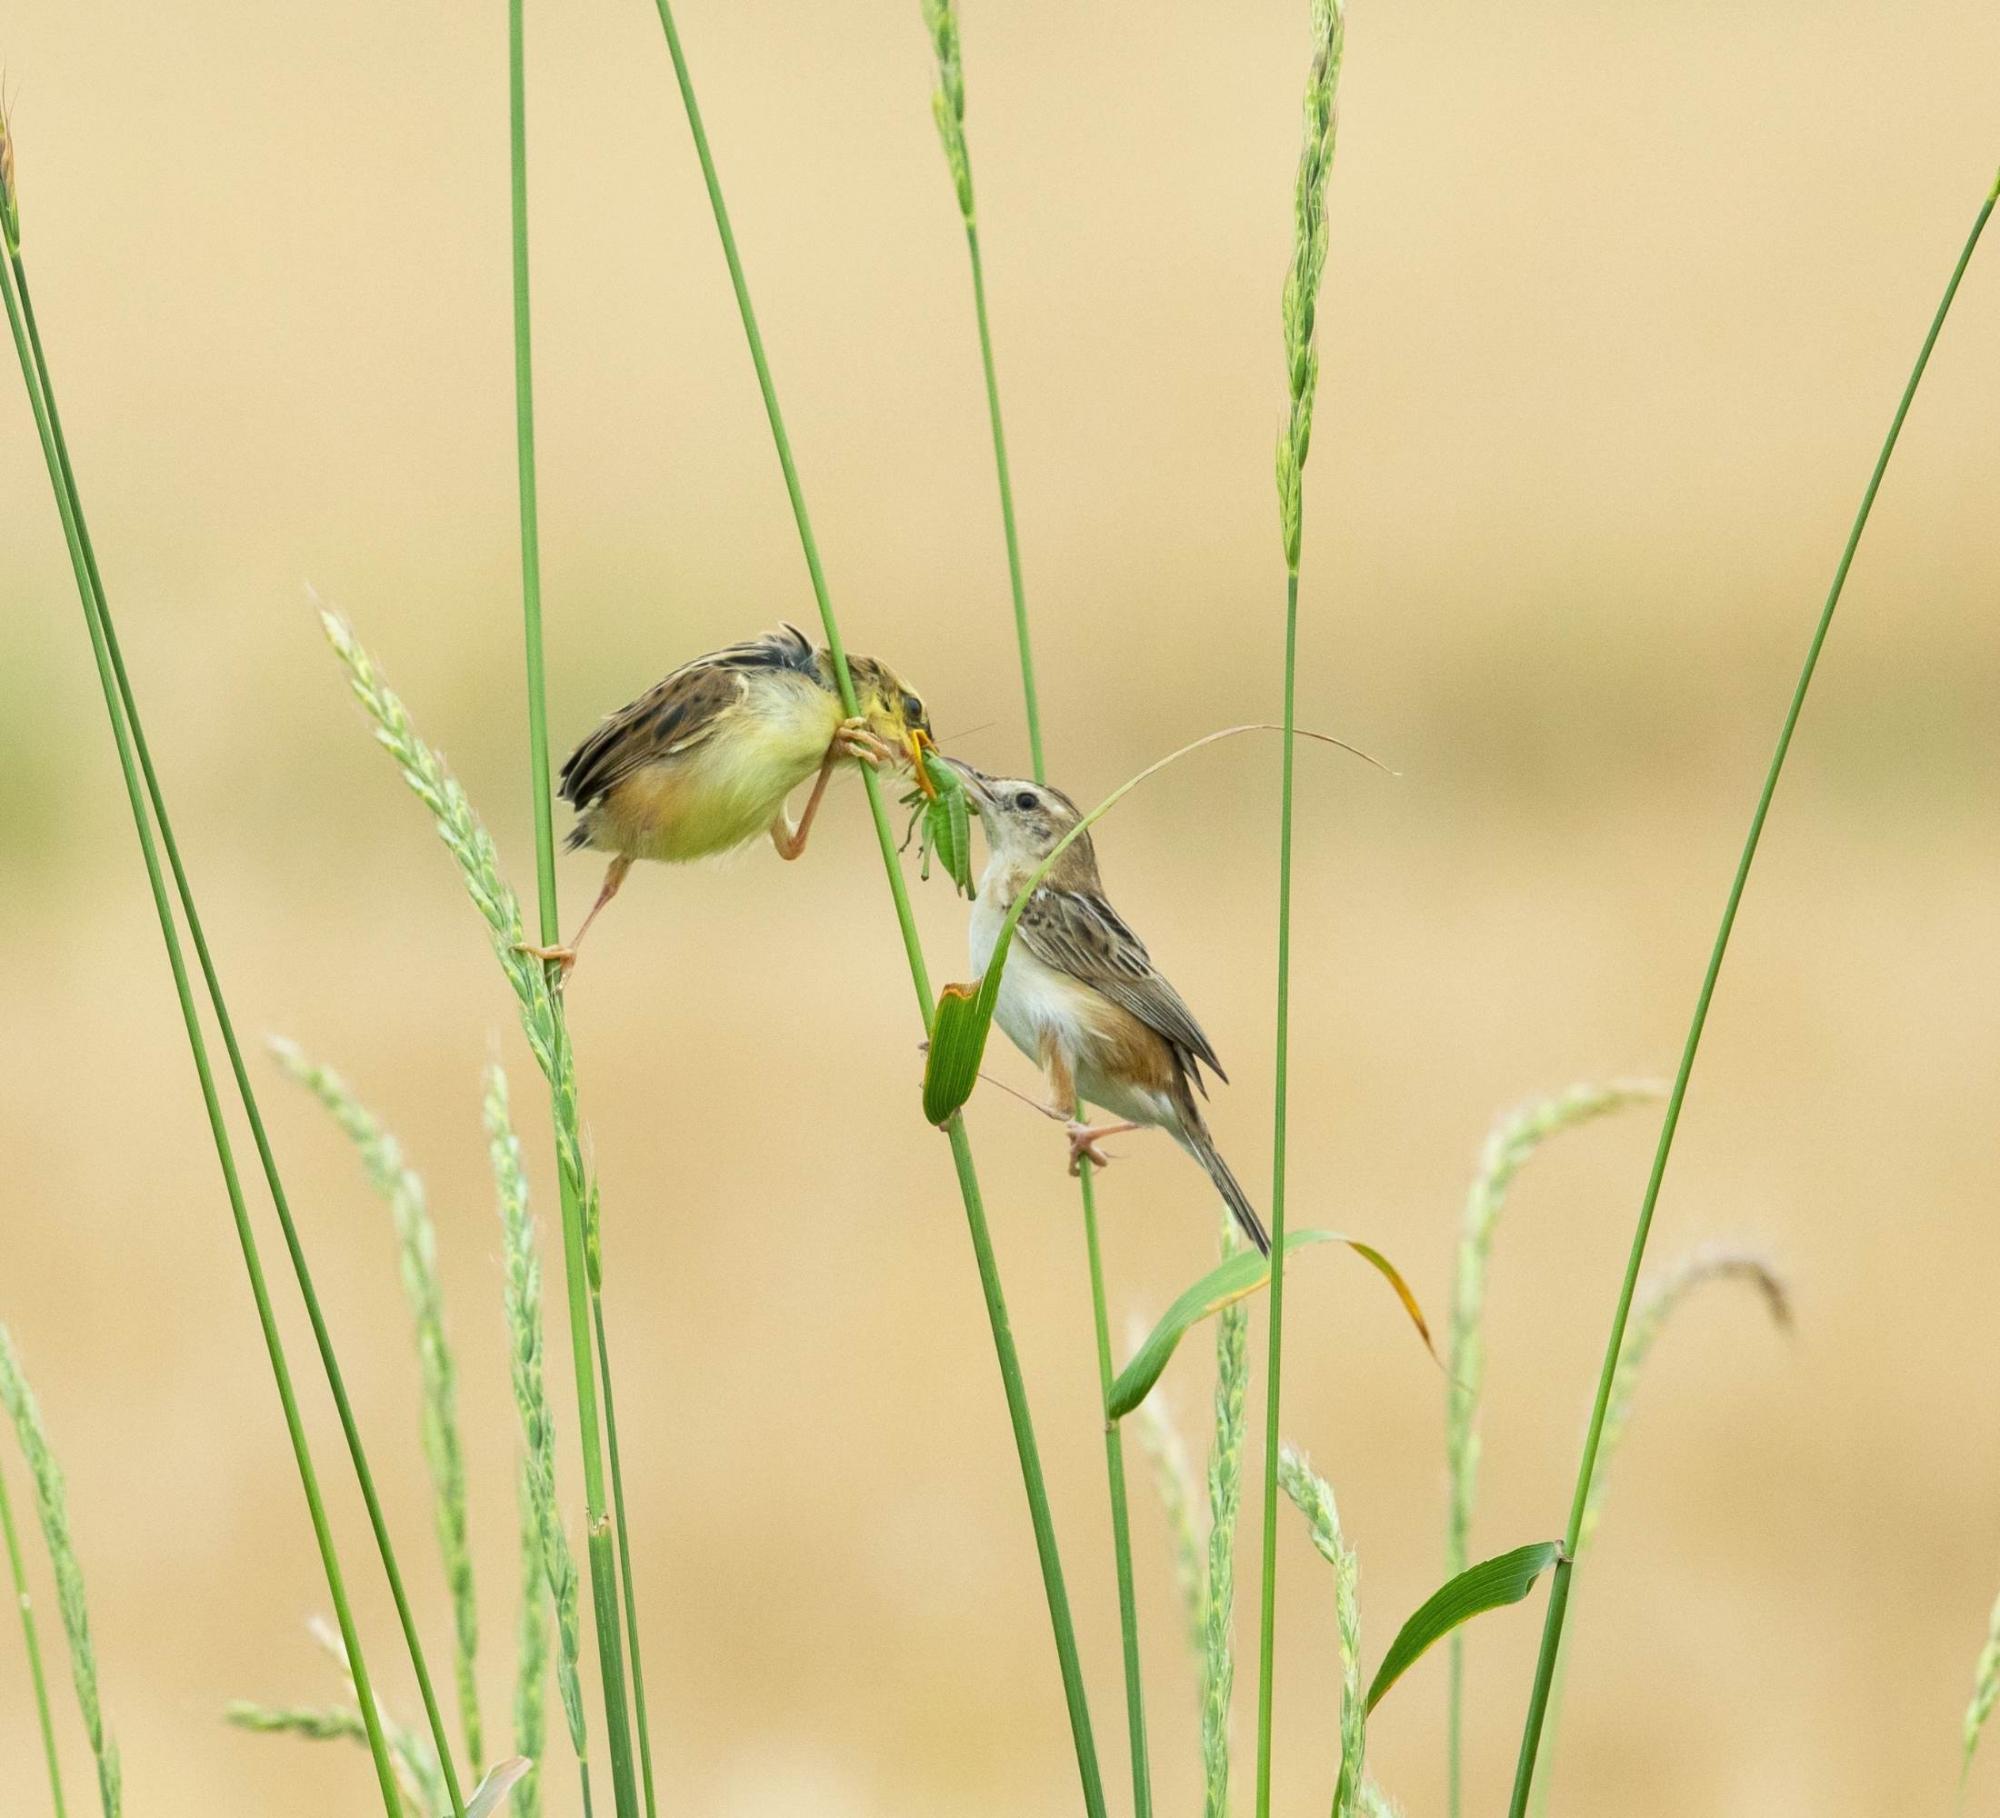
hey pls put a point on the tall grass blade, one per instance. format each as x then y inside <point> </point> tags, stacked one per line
<point>1512,1140</point>
<point>128,736</point>
<point>401,1189</point>
<point>1312,1496</point>
<point>624,1551</point>
<point>582,1260</point>
<point>1655,1304</point>
<point>1492,1584</point>
<point>52,1508</point>
<point>1300,305</point>
<point>1538,1698</point>
<point>1225,1500</point>
<point>523,1299</point>
<point>1006,1355</point>
<point>32,1641</point>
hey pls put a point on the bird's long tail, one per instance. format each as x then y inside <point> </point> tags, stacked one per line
<point>1198,1143</point>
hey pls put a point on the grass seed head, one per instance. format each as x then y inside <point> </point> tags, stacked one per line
<point>948,99</point>
<point>1300,302</point>
<point>10,206</point>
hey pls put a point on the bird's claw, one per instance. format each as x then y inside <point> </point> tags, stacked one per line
<point>565,957</point>
<point>854,740</point>
<point>1083,1141</point>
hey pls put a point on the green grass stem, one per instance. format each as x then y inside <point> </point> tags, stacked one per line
<point>624,1554</point>
<point>531,1651</point>
<point>961,1148</point>
<point>32,1641</point>
<point>581,1253</point>
<point>126,733</point>
<point>1300,303</point>
<point>52,1509</point>
<point>1552,1628</point>
<point>948,108</point>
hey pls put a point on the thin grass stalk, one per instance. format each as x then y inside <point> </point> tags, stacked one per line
<point>948,107</point>
<point>110,672</point>
<point>401,1189</point>
<point>52,1509</point>
<point>1225,1499</point>
<point>1300,305</point>
<point>1655,1305</point>
<point>581,1255</point>
<point>43,1716</point>
<point>1312,1496</point>
<point>523,1303</point>
<point>1173,1480</point>
<point>624,1553</point>
<point>1510,1143</point>
<point>416,1757</point>
<point>1008,1358</point>
<point>531,1650</point>
<point>1558,1606</point>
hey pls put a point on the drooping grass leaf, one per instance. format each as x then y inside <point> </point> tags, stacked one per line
<point>964,1014</point>
<point>1243,1274</point>
<point>1490,1585</point>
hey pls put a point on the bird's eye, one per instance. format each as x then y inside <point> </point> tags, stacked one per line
<point>1025,800</point>
<point>913,710</point>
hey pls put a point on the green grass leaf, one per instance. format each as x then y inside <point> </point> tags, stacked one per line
<point>1242,1275</point>
<point>1490,1585</point>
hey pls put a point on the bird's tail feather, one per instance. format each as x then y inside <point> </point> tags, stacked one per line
<point>1202,1147</point>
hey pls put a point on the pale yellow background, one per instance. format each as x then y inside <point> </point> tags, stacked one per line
<point>1619,301</point>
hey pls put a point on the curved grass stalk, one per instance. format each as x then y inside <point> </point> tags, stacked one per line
<point>582,1256</point>
<point>52,1508</point>
<point>32,1640</point>
<point>1508,1147</point>
<point>1552,1628</point>
<point>1008,1359</point>
<point>129,738</point>
<point>1299,310</point>
<point>948,105</point>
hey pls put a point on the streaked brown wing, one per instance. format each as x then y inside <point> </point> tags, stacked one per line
<point>675,715</point>
<point>1078,932</point>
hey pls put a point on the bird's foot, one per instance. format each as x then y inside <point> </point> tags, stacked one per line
<point>852,739</point>
<point>565,957</point>
<point>1083,1141</point>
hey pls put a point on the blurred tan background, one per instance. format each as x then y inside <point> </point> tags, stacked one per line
<point>1619,302</point>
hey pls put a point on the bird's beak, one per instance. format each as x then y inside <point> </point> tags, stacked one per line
<point>975,784</point>
<point>916,742</point>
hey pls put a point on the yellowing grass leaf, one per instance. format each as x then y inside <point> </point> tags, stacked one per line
<point>1490,1585</point>
<point>1242,1274</point>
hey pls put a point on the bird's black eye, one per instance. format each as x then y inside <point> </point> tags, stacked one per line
<point>913,711</point>
<point>1025,800</point>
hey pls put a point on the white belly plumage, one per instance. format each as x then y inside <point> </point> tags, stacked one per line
<point>1038,1003</point>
